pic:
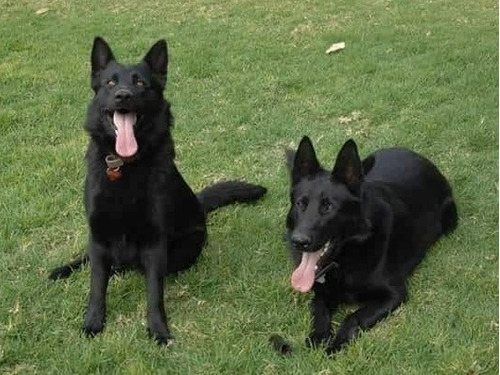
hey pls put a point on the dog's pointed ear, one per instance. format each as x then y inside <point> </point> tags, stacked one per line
<point>157,60</point>
<point>101,54</point>
<point>100,57</point>
<point>305,162</point>
<point>348,168</point>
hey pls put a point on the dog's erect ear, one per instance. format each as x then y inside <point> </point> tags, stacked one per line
<point>100,57</point>
<point>157,60</point>
<point>305,163</point>
<point>101,54</point>
<point>348,167</point>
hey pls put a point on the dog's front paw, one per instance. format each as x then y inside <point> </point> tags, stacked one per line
<point>92,327</point>
<point>333,348</point>
<point>345,334</point>
<point>317,339</point>
<point>94,320</point>
<point>162,337</point>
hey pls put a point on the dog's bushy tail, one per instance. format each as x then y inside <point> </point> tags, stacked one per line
<point>224,193</point>
<point>66,270</point>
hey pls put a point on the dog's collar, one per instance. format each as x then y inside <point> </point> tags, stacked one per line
<point>114,164</point>
<point>321,272</point>
<point>320,275</point>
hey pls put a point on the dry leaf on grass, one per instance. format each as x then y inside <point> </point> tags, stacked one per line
<point>335,47</point>
<point>41,11</point>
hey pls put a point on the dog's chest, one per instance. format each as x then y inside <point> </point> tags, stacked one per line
<point>355,284</point>
<point>124,253</point>
<point>125,213</point>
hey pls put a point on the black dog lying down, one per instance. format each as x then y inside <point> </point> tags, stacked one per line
<point>140,211</point>
<point>357,232</point>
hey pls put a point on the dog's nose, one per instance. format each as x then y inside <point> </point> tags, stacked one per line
<point>300,240</point>
<point>122,95</point>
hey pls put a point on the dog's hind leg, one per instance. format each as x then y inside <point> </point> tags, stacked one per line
<point>280,345</point>
<point>66,270</point>
<point>364,318</point>
<point>183,252</point>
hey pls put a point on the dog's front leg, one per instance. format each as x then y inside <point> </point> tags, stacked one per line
<point>156,317</point>
<point>363,318</point>
<point>100,269</point>
<point>322,310</point>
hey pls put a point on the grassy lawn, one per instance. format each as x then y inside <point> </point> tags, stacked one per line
<point>246,79</point>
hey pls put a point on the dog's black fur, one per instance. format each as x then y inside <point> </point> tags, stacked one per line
<point>147,219</point>
<point>375,219</point>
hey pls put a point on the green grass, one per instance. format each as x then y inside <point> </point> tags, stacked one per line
<point>246,79</point>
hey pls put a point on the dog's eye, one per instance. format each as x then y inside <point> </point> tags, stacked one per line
<point>111,82</point>
<point>326,205</point>
<point>301,204</point>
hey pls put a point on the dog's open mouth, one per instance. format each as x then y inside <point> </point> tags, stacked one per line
<point>311,265</point>
<point>123,122</point>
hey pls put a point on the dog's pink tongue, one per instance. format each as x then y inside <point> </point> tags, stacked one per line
<point>303,276</point>
<point>125,145</point>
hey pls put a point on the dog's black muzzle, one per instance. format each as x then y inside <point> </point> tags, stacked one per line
<point>300,241</point>
<point>123,97</point>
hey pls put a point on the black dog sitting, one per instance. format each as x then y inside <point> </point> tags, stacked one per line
<point>357,232</point>
<point>140,211</point>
